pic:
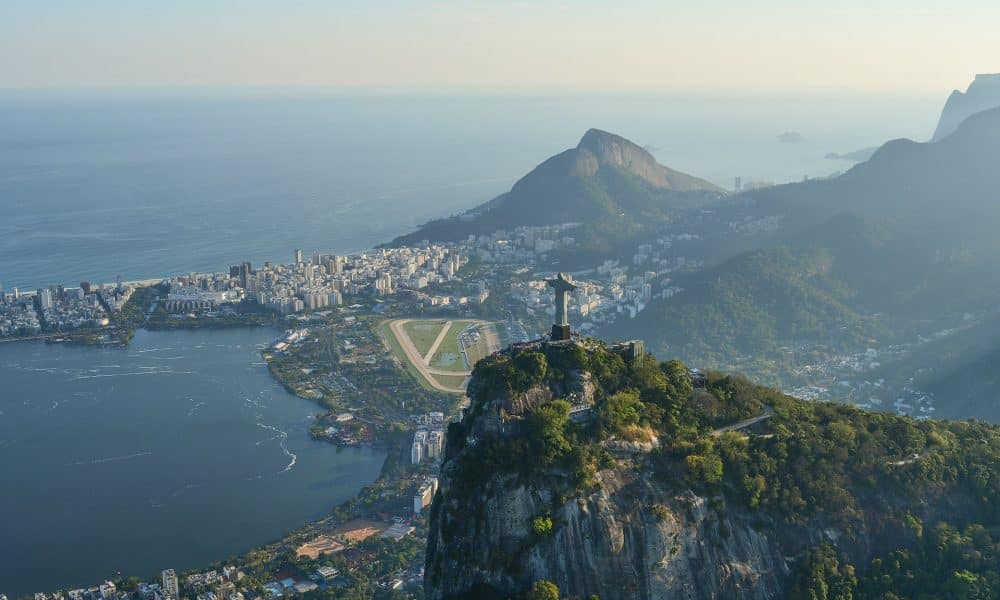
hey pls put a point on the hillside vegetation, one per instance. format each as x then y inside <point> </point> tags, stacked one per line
<point>607,183</point>
<point>865,503</point>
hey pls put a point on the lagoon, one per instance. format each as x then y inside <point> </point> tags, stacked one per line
<point>175,452</point>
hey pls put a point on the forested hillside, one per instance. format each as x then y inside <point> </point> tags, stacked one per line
<point>670,489</point>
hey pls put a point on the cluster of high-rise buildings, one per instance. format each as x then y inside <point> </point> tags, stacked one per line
<point>611,291</point>
<point>321,280</point>
<point>18,315</point>
<point>522,245</point>
<point>58,308</point>
<point>324,280</point>
<point>308,283</point>
<point>428,440</point>
<point>203,291</point>
<point>212,585</point>
<point>169,590</point>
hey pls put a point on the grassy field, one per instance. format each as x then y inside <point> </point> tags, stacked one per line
<point>397,350</point>
<point>423,333</point>
<point>452,381</point>
<point>449,354</point>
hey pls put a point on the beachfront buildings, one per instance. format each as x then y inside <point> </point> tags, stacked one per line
<point>170,584</point>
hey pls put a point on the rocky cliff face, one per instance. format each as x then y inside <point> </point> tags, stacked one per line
<point>602,149</point>
<point>598,148</point>
<point>610,474</point>
<point>631,538</point>
<point>982,94</point>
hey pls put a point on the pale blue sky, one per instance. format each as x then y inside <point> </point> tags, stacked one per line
<point>770,45</point>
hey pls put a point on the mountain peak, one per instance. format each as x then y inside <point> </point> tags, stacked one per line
<point>987,78</point>
<point>599,148</point>
<point>604,176</point>
<point>982,94</point>
<point>597,139</point>
<point>611,149</point>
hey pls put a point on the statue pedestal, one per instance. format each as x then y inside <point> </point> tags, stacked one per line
<point>560,332</point>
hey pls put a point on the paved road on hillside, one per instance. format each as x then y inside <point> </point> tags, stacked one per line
<point>768,413</point>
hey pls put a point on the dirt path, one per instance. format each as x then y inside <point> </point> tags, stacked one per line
<point>437,342</point>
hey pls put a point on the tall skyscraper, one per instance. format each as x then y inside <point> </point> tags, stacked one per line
<point>298,257</point>
<point>246,272</point>
<point>44,298</point>
<point>170,583</point>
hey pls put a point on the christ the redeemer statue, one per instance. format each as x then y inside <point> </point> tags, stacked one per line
<point>562,285</point>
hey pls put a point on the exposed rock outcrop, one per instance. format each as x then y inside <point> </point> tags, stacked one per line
<point>632,538</point>
<point>599,148</point>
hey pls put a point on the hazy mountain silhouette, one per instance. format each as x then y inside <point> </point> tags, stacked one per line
<point>909,235</point>
<point>605,177</point>
<point>982,94</point>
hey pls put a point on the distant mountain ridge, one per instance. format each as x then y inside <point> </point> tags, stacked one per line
<point>604,177</point>
<point>920,183</point>
<point>908,237</point>
<point>982,94</point>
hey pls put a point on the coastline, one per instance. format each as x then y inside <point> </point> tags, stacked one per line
<point>184,397</point>
<point>390,433</point>
<point>358,381</point>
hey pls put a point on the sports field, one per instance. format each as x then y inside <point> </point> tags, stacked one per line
<point>439,352</point>
<point>448,355</point>
<point>423,333</point>
<point>452,381</point>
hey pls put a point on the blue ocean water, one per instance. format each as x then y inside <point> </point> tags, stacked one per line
<point>147,184</point>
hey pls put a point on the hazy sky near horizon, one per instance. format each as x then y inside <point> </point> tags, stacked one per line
<point>763,45</point>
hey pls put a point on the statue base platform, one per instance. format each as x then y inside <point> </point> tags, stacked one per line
<point>560,332</point>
